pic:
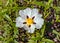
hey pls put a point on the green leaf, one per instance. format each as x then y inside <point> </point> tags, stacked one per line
<point>47,41</point>
<point>42,31</point>
<point>32,41</point>
<point>7,17</point>
<point>38,3</point>
<point>55,32</point>
<point>1,38</point>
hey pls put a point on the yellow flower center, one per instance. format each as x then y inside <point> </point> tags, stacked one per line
<point>29,21</point>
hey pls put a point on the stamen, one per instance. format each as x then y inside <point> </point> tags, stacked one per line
<point>33,17</point>
<point>27,16</point>
<point>29,25</point>
<point>34,23</point>
<point>24,22</point>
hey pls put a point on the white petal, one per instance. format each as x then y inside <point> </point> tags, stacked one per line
<point>19,22</point>
<point>26,27</point>
<point>40,15</point>
<point>31,29</point>
<point>39,22</point>
<point>34,12</point>
<point>27,12</point>
<point>22,14</point>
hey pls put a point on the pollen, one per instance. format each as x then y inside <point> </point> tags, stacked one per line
<point>29,21</point>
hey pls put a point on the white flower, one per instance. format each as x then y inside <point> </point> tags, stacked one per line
<point>29,19</point>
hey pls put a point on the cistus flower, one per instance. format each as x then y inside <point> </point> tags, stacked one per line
<point>29,19</point>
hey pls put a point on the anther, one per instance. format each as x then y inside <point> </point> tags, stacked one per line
<point>24,22</point>
<point>29,25</point>
<point>27,16</point>
<point>33,17</point>
<point>34,23</point>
